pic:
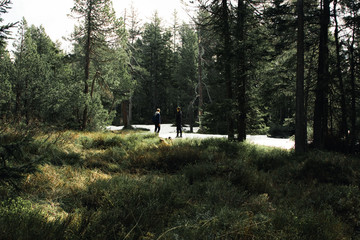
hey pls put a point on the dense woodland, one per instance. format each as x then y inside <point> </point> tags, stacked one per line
<point>276,67</point>
<point>239,67</point>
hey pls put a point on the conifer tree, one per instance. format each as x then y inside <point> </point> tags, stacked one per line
<point>133,24</point>
<point>185,79</point>
<point>6,76</point>
<point>155,58</point>
<point>322,87</point>
<point>241,69</point>
<point>300,134</point>
<point>97,20</point>
<point>4,29</point>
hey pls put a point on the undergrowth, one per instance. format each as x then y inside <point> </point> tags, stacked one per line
<point>105,185</point>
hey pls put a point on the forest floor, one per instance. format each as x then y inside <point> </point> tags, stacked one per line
<point>169,130</point>
<point>126,184</point>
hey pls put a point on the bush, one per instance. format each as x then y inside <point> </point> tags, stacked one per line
<point>213,119</point>
<point>19,220</point>
<point>199,172</point>
<point>328,168</point>
<point>16,157</point>
<point>284,130</point>
<point>309,223</point>
<point>124,202</point>
<point>271,159</point>
<point>57,156</point>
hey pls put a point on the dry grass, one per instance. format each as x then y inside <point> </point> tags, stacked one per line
<point>134,186</point>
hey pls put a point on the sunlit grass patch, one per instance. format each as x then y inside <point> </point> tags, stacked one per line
<point>135,185</point>
<point>55,182</point>
<point>24,219</point>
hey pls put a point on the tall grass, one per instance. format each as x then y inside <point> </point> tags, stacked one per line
<point>105,185</point>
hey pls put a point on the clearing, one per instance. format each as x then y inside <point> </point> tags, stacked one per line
<point>169,130</point>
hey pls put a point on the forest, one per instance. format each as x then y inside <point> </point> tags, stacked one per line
<point>282,68</point>
<point>240,67</point>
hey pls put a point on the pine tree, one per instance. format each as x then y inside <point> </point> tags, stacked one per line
<point>241,69</point>
<point>132,23</point>
<point>300,122</point>
<point>186,73</point>
<point>322,87</point>
<point>4,29</point>
<point>97,29</point>
<point>343,125</point>
<point>6,76</point>
<point>156,57</point>
<point>353,25</point>
<point>26,72</point>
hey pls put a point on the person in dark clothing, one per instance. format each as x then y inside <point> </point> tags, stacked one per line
<point>178,122</point>
<point>157,120</point>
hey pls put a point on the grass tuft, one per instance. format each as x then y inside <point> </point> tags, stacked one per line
<point>131,185</point>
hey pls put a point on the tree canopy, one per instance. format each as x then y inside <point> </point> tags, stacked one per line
<point>237,68</point>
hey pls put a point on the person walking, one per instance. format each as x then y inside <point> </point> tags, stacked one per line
<point>178,122</point>
<point>157,120</point>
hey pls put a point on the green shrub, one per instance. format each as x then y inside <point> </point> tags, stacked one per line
<point>307,223</point>
<point>342,200</point>
<point>122,203</point>
<point>19,220</point>
<point>169,159</point>
<point>106,141</point>
<point>328,168</point>
<point>86,142</point>
<point>16,162</point>
<point>271,159</point>
<point>214,123</point>
<point>320,225</point>
<point>242,174</point>
<point>218,146</point>
<point>284,130</point>
<point>199,172</point>
<point>115,154</point>
<point>57,156</point>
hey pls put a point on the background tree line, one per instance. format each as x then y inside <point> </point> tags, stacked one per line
<point>234,69</point>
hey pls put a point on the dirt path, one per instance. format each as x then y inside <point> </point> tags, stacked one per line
<point>167,130</point>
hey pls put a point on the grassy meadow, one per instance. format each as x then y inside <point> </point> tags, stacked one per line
<point>131,185</point>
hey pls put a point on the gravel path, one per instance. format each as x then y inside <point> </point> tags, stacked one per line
<point>167,130</point>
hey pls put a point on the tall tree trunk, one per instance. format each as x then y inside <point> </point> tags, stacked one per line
<point>19,87</point>
<point>130,111</point>
<point>343,124</point>
<point>322,87</point>
<point>26,101</point>
<point>87,66</point>
<point>353,93</point>
<point>200,76</point>
<point>124,106</point>
<point>227,68</point>
<point>133,34</point>
<point>97,74</point>
<point>308,85</point>
<point>18,92</point>
<point>241,71</point>
<point>191,117</point>
<point>300,120</point>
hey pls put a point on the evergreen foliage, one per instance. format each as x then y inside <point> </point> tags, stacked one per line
<point>232,70</point>
<point>4,29</point>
